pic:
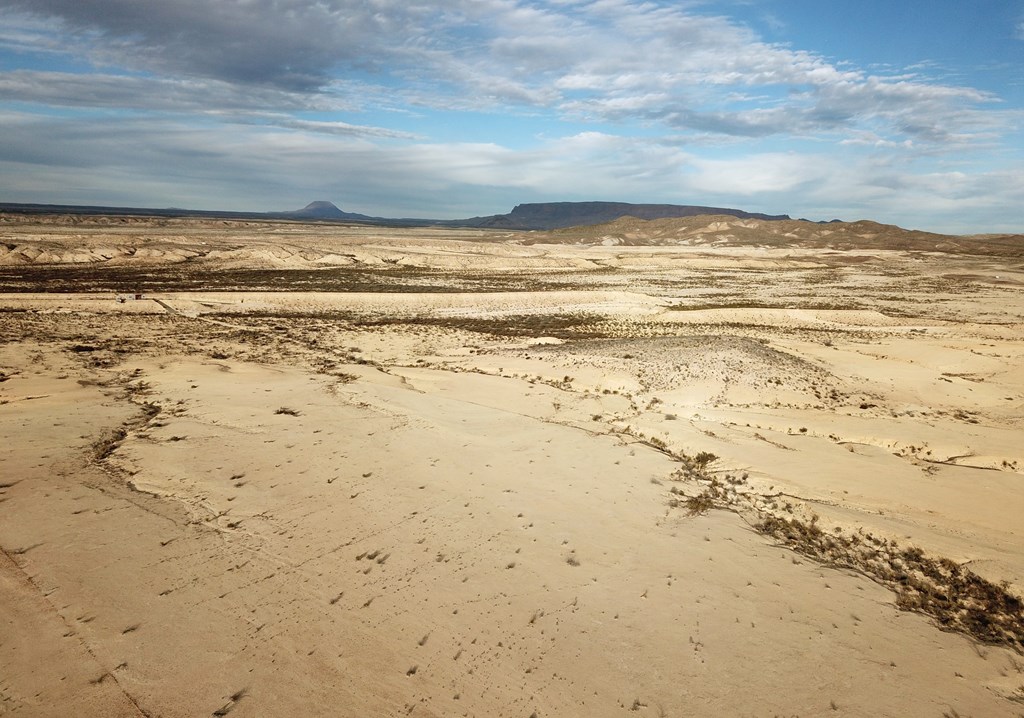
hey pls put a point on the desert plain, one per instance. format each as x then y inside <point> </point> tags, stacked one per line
<point>701,467</point>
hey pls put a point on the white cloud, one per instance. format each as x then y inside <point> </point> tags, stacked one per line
<point>758,174</point>
<point>343,129</point>
<point>133,92</point>
<point>604,60</point>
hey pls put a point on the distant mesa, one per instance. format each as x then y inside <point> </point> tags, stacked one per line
<point>559,215</point>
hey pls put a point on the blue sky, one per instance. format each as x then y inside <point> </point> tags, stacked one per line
<point>905,112</point>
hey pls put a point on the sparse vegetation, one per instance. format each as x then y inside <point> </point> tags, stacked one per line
<point>953,595</point>
<point>701,503</point>
<point>703,459</point>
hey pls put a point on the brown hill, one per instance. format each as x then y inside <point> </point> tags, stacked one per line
<point>728,231</point>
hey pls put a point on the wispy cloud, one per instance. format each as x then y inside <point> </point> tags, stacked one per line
<point>602,60</point>
<point>147,93</point>
<point>342,129</point>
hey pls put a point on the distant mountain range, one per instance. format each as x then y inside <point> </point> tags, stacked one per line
<point>574,223</point>
<point>535,216</point>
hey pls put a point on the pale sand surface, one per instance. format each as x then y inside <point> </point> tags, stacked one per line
<point>460,503</point>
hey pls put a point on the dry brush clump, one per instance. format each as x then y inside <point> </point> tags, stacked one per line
<point>715,492</point>
<point>702,502</point>
<point>694,468</point>
<point>953,595</point>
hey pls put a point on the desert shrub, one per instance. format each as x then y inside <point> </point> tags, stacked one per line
<point>703,459</point>
<point>701,503</point>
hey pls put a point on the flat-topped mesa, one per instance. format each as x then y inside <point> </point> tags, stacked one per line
<point>557,215</point>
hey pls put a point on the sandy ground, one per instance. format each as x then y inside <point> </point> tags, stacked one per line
<point>560,502</point>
